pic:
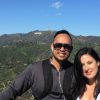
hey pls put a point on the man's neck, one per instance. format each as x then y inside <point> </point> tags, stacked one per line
<point>55,63</point>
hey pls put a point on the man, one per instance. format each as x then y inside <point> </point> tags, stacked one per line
<point>49,79</point>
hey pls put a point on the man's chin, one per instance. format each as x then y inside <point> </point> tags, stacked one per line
<point>61,59</point>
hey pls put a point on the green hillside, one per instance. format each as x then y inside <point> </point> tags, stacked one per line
<point>15,57</point>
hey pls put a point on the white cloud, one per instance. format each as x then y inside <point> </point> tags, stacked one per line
<point>57,5</point>
<point>58,14</point>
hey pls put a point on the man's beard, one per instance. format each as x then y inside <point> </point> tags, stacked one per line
<point>60,61</point>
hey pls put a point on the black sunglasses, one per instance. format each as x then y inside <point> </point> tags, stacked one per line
<point>66,46</point>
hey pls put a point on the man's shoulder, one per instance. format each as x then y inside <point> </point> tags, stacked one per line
<point>37,64</point>
<point>69,64</point>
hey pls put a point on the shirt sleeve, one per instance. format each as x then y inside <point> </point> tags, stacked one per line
<point>21,84</point>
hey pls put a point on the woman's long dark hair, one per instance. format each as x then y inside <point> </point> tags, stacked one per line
<point>79,85</point>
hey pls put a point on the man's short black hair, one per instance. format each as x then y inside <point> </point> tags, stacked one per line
<point>62,32</point>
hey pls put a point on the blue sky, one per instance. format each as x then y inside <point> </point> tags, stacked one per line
<point>79,17</point>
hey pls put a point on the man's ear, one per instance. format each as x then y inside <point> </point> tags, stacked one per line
<point>52,47</point>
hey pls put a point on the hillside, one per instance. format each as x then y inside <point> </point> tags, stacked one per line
<point>18,50</point>
<point>40,37</point>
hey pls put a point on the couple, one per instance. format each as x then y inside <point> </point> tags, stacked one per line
<point>58,79</point>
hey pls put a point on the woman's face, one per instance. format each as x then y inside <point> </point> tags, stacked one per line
<point>89,66</point>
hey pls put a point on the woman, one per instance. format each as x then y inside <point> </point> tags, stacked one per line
<point>87,75</point>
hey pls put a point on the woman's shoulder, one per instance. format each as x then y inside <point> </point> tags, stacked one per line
<point>98,97</point>
<point>78,98</point>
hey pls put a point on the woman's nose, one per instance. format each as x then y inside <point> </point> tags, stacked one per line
<point>86,67</point>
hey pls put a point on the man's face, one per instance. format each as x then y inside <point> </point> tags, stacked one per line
<point>61,47</point>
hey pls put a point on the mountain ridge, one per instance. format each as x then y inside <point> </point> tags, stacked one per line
<point>40,37</point>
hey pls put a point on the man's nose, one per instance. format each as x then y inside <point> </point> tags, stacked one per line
<point>62,48</point>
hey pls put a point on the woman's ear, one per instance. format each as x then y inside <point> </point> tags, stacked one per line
<point>98,64</point>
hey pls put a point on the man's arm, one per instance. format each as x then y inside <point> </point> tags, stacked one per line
<point>21,84</point>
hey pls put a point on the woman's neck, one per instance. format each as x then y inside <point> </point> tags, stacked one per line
<point>92,82</point>
<point>89,92</point>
